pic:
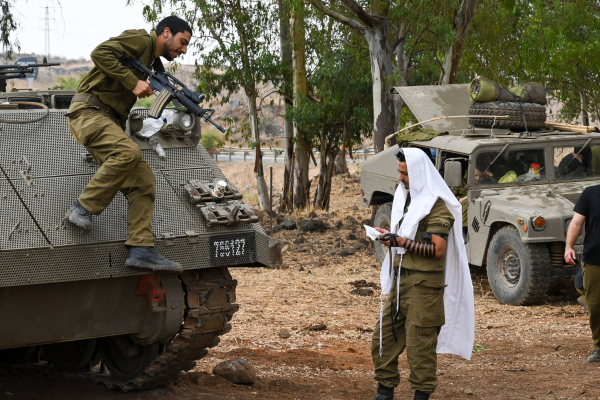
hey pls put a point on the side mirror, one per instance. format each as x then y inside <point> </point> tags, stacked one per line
<point>453,174</point>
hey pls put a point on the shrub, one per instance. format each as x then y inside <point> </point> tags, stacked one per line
<point>211,142</point>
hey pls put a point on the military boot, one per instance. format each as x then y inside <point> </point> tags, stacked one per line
<point>79,216</point>
<point>421,395</point>
<point>594,357</point>
<point>384,393</point>
<point>147,259</point>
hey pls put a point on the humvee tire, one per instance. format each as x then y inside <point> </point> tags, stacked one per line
<point>519,273</point>
<point>535,115</point>
<point>382,220</point>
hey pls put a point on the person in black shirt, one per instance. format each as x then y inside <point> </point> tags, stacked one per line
<point>587,210</point>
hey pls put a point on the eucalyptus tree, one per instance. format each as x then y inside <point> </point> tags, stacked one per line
<point>286,91</point>
<point>338,111</point>
<point>238,50</point>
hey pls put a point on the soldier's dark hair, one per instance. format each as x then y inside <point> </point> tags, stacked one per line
<point>175,25</point>
<point>400,155</point>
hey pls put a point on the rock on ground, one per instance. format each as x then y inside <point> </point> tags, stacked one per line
<point>347,251</point>
<point>289,225</point>
<point>312,225</point>
<point>238,371</point>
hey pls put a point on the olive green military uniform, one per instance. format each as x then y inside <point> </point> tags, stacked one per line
<point>460,193</point>
<point>421,313</point>
<point>591,291</point>
<point>122,167</point>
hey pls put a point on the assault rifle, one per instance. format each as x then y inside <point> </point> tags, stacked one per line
<point>171,89</point>
<point>16,71</point>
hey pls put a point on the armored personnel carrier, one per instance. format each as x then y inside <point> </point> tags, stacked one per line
<point>520,189</point>
<point>66,298</point>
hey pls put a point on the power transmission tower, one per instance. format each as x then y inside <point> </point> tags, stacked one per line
<point>47,47</point>
<point>47,32</point>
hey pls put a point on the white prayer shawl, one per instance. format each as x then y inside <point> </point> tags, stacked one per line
<point>457,336</point>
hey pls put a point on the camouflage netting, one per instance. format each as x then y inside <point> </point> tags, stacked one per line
<point>417,133</point>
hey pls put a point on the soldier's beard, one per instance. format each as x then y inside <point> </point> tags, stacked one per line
<point>168,49</point>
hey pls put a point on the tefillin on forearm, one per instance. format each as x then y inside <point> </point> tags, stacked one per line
<point>424,249</point>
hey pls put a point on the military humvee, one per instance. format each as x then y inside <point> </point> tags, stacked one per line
<point>516,222</point>
<point>66,298</point>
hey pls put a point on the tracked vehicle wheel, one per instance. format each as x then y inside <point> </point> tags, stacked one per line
<point>70,356</point>
<point>519,273</point>
<point>209,298</point>
<point>126,359</point>
<point>382,220</point>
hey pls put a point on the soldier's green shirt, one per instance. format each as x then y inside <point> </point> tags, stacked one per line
<point>439,220</point>
<point>112,82</point>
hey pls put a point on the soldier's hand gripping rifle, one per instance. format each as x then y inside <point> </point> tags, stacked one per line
<point>171,89</point>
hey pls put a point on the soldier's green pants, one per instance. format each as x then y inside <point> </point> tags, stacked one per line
<point>591,291</point>
<point>122,168</point>
<point>417,327</point>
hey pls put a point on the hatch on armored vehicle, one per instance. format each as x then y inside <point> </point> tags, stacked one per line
<point>67,296</point>
<point>520,190</point>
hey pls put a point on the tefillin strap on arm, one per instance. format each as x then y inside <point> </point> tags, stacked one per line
<point>392,238</point>
<point>423,249</point>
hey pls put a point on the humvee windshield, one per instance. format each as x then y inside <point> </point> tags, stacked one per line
<point>522,165</point>
<point>577,163</point>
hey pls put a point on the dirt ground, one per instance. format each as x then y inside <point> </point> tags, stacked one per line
<point>536,352</point>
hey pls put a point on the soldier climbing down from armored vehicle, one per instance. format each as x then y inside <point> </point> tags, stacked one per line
<point>97,119</point>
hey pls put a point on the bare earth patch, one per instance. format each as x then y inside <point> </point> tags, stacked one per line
<point>536,352</point>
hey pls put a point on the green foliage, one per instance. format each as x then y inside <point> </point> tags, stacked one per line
<point>145,102</point>
<point>8,26</point>
<point>477,348</point>
<point>211,140</point>
<point>70,82</point>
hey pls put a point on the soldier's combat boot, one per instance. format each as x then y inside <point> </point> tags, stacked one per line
<point>594,357</point>
<point>421,395</point>
<point>147,259</point>
<point>384,393</point>
<point>79,216</point>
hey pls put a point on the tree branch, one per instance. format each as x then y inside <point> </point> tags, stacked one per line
<point>362,15</point>
<point>318,4</point>
<point>353,45</point>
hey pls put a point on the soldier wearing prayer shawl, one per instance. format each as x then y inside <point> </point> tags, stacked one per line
<point>430,307</point>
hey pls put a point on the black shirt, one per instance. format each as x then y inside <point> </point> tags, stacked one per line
<point>588,205</point>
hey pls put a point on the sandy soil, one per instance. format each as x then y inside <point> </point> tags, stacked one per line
<point>536,352</point>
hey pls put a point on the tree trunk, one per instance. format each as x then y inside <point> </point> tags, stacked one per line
<point>585,119</point>
<point>326,168</point>
<point>261,184</point>
<point>402,63</point>
<point>460,24</point>
<point>380,47</point>
<point>302,184</point>
<point>287,203</point>
<point>341,167</point>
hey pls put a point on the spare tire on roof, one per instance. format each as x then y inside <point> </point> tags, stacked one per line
<point>535,115</point>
